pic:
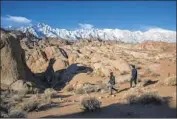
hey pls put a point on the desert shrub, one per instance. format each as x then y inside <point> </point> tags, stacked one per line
<point>17,114</point>
<point>87,88</point>
<point>99,72</point>
<point>131,99</point>
<point>21,93</point>
<point>147,98</point>
<point>151,97</point>
<point>17,97</point>
<point>33,90</point>
<point>90,103</point>
<point>90,88</point>
<point>50,92</point>
<point>103,87</point>
<point>170,81</point>
<point>79,90</point>
<point>3,111</point>
<point>30,105</point>
<point>46,99</point>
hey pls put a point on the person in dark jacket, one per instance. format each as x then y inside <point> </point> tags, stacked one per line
<point>112,83</point>
<point>134,76</point>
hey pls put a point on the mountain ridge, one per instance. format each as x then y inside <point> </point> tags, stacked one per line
<point>42,30</point>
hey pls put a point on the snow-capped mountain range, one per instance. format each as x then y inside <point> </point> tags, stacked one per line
<point>157,34</point>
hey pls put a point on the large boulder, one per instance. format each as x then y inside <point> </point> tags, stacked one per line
<point>121,65</point>
<point>14,71</point>
<point>101,70</point>
<point>12,64</point>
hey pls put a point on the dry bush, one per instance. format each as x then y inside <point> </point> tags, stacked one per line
<point>50,92</point>
<point>90,88</point>
<point>99,72</point>
<point>146,98</point>
<point>87,88</point>
<point>46,99</point>
<point>90,103</point>
<point>79,90</point>
<point>37,103</point>
<point>17,114</point>
<point>33,90</point>
<point>3,111</point>
<point>17,97</point>
<point>103,87</point>
<point>131,98</point>
<point>170,81</point>
<point>30,105</point>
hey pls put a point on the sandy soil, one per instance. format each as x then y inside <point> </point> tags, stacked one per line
<point>69,105</point>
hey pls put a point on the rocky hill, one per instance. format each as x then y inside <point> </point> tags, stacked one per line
<point>101,56</point>
<point>32,68</point>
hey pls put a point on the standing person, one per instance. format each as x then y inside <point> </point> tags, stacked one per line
<point>134,76</point>
<point>112,83</point>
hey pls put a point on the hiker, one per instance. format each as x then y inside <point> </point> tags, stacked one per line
<point>134,76</point>
<point>112,83</point>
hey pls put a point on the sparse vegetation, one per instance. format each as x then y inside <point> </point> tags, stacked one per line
<point>98,58</point>
<point>30,105</point>
<point>170,81</point>
<point>99,72</point>
<point>17,114</point>
<point>79,90</point>
<point>90,103</point>
<point>87,88</point>
<point>146,98</point>
<point>17,97</point>
<point>3,111</point>
<point>50,92</point>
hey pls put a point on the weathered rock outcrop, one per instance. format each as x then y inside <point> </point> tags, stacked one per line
<point>14,72</point>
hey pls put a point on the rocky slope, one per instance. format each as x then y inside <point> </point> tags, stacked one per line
<point>91,56</point>
<point>74,67</point>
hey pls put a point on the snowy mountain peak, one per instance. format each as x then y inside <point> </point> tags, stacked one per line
<point>155,34</point>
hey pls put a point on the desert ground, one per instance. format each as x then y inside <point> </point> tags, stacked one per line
<point>51,77</point>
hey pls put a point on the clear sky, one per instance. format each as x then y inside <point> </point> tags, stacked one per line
<point>137,15</point>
